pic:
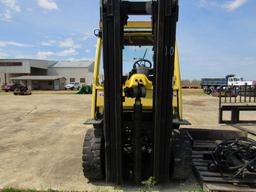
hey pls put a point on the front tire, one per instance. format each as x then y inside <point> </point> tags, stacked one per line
<point>93,155</point>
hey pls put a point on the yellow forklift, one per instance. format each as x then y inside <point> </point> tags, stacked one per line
<point>135,116</point>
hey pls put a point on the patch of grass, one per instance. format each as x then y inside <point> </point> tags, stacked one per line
<point>198,190</point>
<point>148,185</point>
<point>23,190</point>
<point>17,190</point>
<point>104,190</point>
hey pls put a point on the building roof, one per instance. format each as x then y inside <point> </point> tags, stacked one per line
<point>69,64</point>
<point>36,63</point>
<point>37,78</point>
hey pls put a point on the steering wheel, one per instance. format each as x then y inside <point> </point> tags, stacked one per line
<point>142,63</point>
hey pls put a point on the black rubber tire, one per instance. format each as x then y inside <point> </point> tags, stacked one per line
<point>93,167</point>
<point>181,162</point>
<point>98,131</point>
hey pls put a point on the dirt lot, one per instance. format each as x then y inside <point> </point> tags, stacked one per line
<point>41,138</point>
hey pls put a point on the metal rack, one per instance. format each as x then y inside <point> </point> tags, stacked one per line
<point>236,99</point>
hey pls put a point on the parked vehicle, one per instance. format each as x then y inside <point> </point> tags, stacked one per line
<point>22,90</point>
<point>235,81</point>
<point>210,85</point>
<point>72,86</point>
<point>11,87</point>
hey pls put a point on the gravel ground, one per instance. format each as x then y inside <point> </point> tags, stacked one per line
<point>41,139</point>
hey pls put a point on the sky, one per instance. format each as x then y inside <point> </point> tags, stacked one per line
<point>215,37</point>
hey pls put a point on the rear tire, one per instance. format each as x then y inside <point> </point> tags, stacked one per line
<point>93,154</point>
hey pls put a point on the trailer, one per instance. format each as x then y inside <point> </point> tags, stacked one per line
<point>211,84</point>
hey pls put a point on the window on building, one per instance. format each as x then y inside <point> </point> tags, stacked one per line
<point>50,83</point>
<point>72,80</point>
<point>10,64</point>
<point>82,80</point>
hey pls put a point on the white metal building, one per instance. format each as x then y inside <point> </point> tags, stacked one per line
<point>43,74</point>
<point>73,71</point>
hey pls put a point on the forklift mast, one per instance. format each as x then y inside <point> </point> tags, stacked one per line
<point>114,17</point>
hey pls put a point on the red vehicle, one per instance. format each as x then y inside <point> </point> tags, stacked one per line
<point>11,87</point>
